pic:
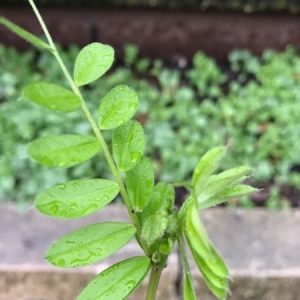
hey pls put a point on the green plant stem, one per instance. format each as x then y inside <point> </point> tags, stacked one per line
<point>156,270</point>
<point>95,129</point>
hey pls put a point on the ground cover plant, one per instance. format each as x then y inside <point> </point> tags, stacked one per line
<point>251,104</point>
<point>156,223</point>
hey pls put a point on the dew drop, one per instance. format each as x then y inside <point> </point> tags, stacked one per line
<point>62,186</point>
<point>73,205</point>
<point>62,164</point>
<point>97,198</point>
<point>132,106</point>
<point>61,262</point>
<point>130,285</point>
<point>75,184</point>
<point>135,156</point>
<point>54,209</point>
<point>122,88</point>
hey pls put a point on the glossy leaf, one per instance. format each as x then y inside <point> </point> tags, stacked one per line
<point>29,37</point>
<point>206,166</point>
<point>92,62</point>
<point>128,144</point>
<point>63,150</point>
<point>118,281</point>
<point>117,107</point>
<point>188,289</point>
<point>76,198</point>
<point>217,183</point>
<point>139,183</point>
<point>51,96</point>
<point>227,194</point>
<point>89,244</point>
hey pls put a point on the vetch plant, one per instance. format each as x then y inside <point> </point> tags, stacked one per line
<point>156,224</point>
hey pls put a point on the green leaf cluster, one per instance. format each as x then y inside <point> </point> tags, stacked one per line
<point>155,222</point>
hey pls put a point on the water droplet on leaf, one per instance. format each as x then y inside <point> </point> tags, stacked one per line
<point>62,186</point>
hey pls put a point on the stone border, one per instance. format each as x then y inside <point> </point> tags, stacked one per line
<point>261,248</point>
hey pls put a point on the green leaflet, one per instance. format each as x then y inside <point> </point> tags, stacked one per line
<point>139,183</point>
<point>117,107</point>
<point>206,166</point>
<point>206,257</point>
<point>162,198</point>
<point>35,41</point>
<point>154,227</point>
<point>128,144</point>
<point>89,244</point>
<point>188,289</point>
<point>63,150</point>
<point>118,281</point>
<point>217,183</point>
<point>198,240</point>
<point>92,62</point>
<point>76,198</point>
<point>51,96</point>
<point>227,194</point>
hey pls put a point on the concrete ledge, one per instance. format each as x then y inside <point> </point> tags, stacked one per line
<point>261,249</point>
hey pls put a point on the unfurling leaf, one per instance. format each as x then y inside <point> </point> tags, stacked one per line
<point>206,166</point>
<point>206,257</point>
<point>139,183</point>
<point>117,107</point>
<point>89,244</point>
<point>63,150</point>
<point>51,96</point>
<point>118,281</point>
<point>76,198</point>
<point>128,144</point>
<point>92,62</point>
<point>29,37</point>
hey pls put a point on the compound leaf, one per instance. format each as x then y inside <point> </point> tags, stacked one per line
<point>92,62</point>
<point>118,281</point>
<point>76,198</point>
<point>117,107</point>
<point>63,150</point>
<point>24,34</point>
<point>89,244</point>
<point>139,183</point>
<point>128,144</point>
<point>51,96</point>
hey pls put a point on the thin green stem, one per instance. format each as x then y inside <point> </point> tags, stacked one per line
<point>156,270</point>
<point>95,129</point>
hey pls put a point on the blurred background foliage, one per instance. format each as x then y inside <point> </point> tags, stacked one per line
<point>229,5</point>
<point>251,105</point>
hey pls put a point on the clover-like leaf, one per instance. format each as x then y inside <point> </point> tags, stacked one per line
<point>117,107</point>
<point>139,183</point>
<point>24,34</point>
<point>76,198</point>
<point>52,96</point>
<point>92,62</point>
<point>128,144</point>
<point>118,281</point>
<point>63,150</point>
<point>89,244</point>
